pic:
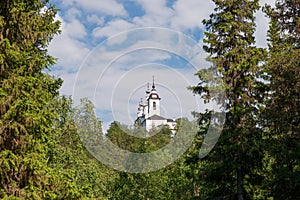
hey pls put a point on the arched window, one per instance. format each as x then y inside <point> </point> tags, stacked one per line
<point>154,105</point>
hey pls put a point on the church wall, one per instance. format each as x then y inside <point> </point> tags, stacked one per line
<point>152,107</point>
<point>172,125</point>
<point>153,111</point>
<point>151,123</point>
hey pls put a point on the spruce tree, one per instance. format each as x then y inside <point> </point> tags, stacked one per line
<point>227,171</point>
<point>26,94</point>
<point>281,117</point>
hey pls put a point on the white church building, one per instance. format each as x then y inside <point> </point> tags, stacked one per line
<point>148,114</point>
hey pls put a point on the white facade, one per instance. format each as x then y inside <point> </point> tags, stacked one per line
<point>149,112</point>
<point>154,121</point>
<point>154,104</point>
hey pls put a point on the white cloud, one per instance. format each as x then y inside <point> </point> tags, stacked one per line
<point>71,47</point>
<point>157,14</point>
<point>69,51</point>
<point>73,13</point>
<point>119,91</point>
<point>184,15</point>
<point>75,29</point>
<point>94,19</point>
<point>111,28</point>
<point>108,7</point>
<point>115,71</point>
<point>67,2</point>
<point>190,13</point>
<point>155,6</point>
<point>67,47</point>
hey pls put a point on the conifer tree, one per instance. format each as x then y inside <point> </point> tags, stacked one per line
<point>229,41</point>
<point>281,118</point>
<point>26,92</point>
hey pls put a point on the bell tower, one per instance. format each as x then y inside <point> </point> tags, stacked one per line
<point>153,101</point>
<point>149,111</point>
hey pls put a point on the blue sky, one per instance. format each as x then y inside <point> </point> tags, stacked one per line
<point>95,32</point>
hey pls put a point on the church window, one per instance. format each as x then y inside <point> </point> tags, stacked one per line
<point>154,105</point>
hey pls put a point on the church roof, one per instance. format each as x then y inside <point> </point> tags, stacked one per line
<point>156,117</point>
<point>154,96</point>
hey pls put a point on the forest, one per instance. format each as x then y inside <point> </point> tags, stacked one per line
<point>256,157</point>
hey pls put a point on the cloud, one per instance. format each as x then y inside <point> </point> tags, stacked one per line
<point>156,7</point>
<point>105,7</point>
<point>156,14</point>
<point>68,47</point>
<point>94,19</point>
<point>75,29</point>
<point>111,28</point>
<point>73,13</point>
<point>115,73</point>
<point>87,23</point>
<point>119,91</point>
<point>70,51</point>
<point>190,13</point>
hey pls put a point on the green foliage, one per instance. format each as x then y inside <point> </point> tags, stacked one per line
<point>45,141</point>
<point>127,138</point>
<point>229,41</point>
<point>257,154</point>
<point>85,176</point>
<point>281,114</point>
<point>168,183</point>
<point>26,115</point>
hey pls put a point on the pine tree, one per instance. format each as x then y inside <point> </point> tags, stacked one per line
<point>229,41</point>
<point>26,93</point>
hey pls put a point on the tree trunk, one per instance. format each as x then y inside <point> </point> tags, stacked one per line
<point>240,185</point>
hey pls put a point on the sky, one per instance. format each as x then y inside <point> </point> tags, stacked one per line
<point>108,51</point>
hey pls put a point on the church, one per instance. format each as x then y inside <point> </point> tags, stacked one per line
<point>148,114</point>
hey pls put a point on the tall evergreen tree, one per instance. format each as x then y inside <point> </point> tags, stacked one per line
<point>230,44</point>
<point>26,92</point>
<point>282,114</point>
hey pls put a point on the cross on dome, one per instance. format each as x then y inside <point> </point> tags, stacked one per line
<point>153,85</point>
